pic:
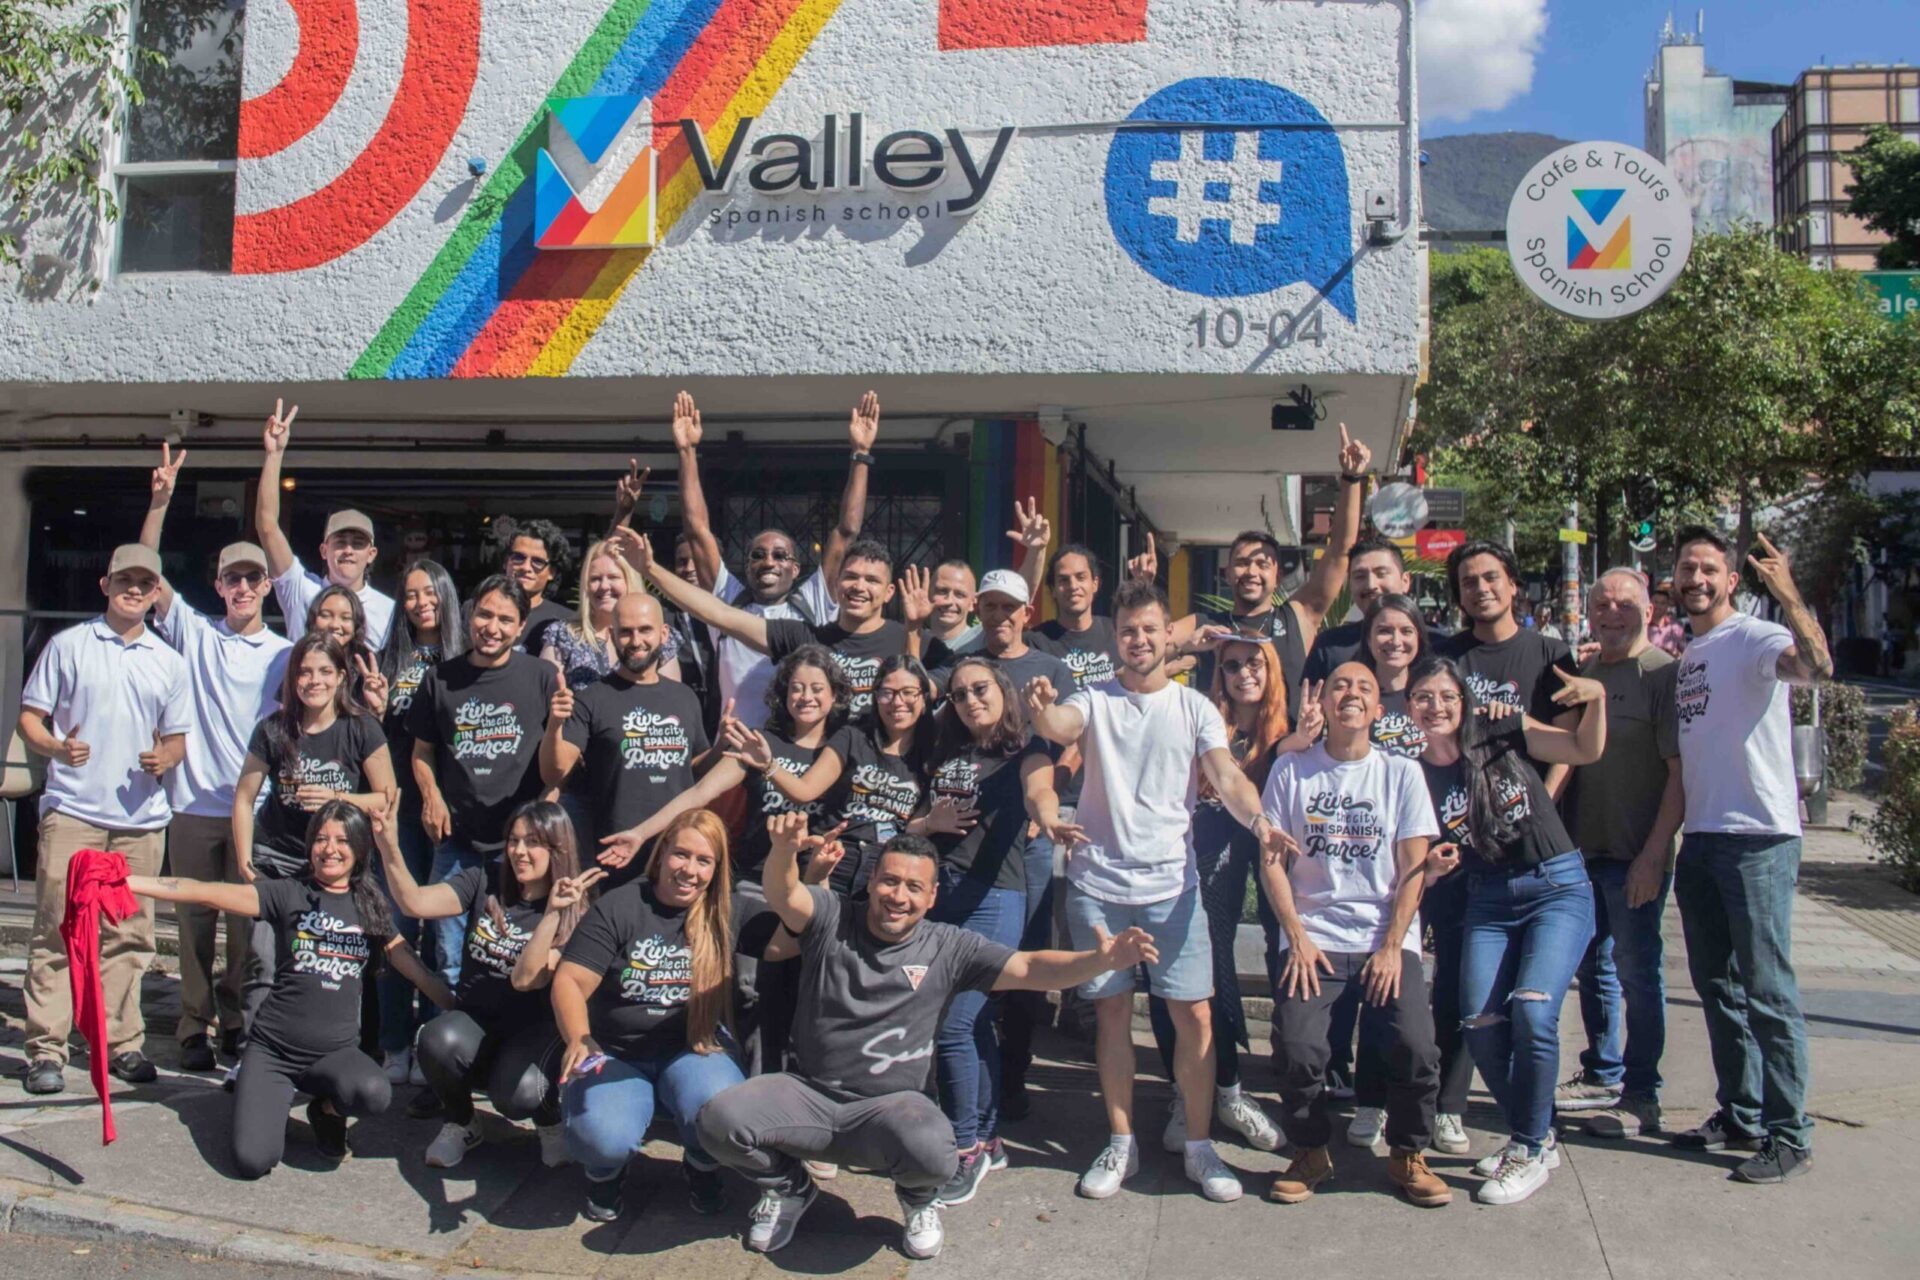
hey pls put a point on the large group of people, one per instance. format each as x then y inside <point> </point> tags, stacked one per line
<point>778,858</point>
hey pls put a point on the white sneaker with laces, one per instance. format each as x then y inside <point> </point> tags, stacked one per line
<point>1109,1170</point>
<point>923,1235</point>
<point>398,1064</point>
<point>1518,1176</point>
<point>1173,1139</point>
<point>553,1144</point>
<point>1245,1117</point>
<point>1487,1166</point>
<point>1210,1171</point>
<point>414,1074</point>
<point>1367,1126</point>
<point>1450,1136</point>
<point>450,1146</point>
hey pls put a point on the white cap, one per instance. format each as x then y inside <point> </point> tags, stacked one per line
<point>1007,583</point>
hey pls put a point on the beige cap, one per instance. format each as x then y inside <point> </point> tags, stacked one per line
<point>1005,582</point>
<point>240,553</point>
<point>344,521</point>
<point>132,555</point>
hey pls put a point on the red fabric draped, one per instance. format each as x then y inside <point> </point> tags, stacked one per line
<point>96,883</point>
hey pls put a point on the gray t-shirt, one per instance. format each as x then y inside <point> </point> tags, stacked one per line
<point>868,1011</point>
<point>1615,799</point>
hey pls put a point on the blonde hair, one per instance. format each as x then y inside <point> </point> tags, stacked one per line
<point>583,619</point>
<point>709,930</point>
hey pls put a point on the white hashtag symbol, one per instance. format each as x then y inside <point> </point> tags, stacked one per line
<point>1241,207</point>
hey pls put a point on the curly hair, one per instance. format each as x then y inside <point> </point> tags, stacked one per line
<point>779,719</point>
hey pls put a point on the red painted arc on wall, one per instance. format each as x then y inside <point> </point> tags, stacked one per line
<point>293,108</point>
<point>1033,24</point>
<point>443,58</point>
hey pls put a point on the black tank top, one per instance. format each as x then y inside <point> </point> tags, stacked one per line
<point>1278,626</point>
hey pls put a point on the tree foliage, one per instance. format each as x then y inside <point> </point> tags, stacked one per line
<point>1886,194</point>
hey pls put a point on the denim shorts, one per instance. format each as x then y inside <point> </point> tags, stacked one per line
<point>1184,970</point>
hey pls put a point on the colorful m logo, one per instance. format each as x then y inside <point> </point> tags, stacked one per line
<point>594,180</point>
<point>1585,250</point>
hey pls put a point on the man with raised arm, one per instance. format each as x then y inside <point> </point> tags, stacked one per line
<point>235,665</point>
<point>1142,737</point>
<point>874,986</point>
<point>772,590</point>
<point>347,549</point>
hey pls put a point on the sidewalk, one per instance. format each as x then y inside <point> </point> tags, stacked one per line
<point>1636,1209</point>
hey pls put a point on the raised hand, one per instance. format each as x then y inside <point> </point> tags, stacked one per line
<point>1031,529</point>
<point>152,763</point>
<point>1310,718</point>
<point>916,596</point>
<point>738,742</point>
<point>560,705</point>
<point>572,890</point>
<point>1500,710</point>
<point>1039,694</point>
<point>686,422</point>
<point>626,490</point>
<point>279,427</point>
<point>946,817</point>
<point>620,848</point>
<point>1130,947</point>
<point>635,549</point>
<point>863,428</point>
<point>1355,457</point>
<point>373,685</point>
<point>1577,690</point>
<point>1209,638</point>
<point>167,474</point>
<point>1146,565</point>
<point>73,751</point>
<point>787,832</point>
<point>828,853</point>
<point>1774,570</point>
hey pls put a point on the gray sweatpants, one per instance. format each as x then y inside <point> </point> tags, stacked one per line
<point>768,1125</point>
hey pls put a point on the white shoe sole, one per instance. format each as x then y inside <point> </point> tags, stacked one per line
<point>1481,1197</point>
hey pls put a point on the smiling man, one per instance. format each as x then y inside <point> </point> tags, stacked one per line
<point>539,555</point>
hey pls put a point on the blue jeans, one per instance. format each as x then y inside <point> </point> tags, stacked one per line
<point>1226,853</point>
<point>607,1113</point>
<point>401,1012</point>
<point>1023,1011</point>
<point>1624,960</point>
<point>450,933</point>
<point>1525,934</point>
<point>968,1046</point>
<point>1736,907</point>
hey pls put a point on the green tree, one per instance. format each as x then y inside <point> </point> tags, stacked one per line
<point>1886,194</point>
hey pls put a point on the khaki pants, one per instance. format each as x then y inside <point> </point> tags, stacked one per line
<point>126,949</point>
<point>202,849</point>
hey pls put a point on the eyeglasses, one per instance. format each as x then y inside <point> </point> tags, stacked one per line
<point>1234,666</point>
<point>896,695</point>
<point>533,562</point>
<point>971,692</point>
<point>760,555</point>
<point>1435,700</point>
<point>238,578</point>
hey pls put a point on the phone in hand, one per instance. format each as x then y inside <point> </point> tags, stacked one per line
<point>590,1065</point>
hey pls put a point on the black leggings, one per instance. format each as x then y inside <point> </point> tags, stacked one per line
<point>270,1076</point>
<point>517,1066</point>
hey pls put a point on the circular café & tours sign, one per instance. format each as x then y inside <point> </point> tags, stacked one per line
<point>1599,230</point>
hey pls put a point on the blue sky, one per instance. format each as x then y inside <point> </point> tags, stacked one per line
<point>1591,62</point>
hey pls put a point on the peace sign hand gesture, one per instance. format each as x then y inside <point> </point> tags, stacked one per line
<point>373,685</point>
<point>279,427</point>
<point>1355,457</point>
<point>167,474</point>
<point>626,490</point>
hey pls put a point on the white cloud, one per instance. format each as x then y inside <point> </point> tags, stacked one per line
<point>1476,55</point>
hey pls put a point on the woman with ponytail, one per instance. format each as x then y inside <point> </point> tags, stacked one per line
<point>643,996</point>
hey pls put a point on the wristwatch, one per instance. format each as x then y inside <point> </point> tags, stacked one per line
<point>863,459</point>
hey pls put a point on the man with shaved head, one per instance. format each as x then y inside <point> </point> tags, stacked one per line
<point>1624,811</point>
<point>637,733</point>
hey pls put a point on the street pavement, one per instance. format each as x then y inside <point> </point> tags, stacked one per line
<point>164,1193</point>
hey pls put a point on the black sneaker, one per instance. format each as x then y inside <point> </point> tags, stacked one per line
<point>43,1075</point>
<point>706,1188</point>
<point>231,1042</point>
<point>425,1104</point>
<point>967,1177</point>
<point>329,1130</point>
<point>1716,1133</point>
<point>1776,1161</point>
<point>772,1222</point>
<point>603,1199</point>
<point>196,1054</point>
<point>133,1067</point>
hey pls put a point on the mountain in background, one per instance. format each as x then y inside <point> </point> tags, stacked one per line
<point>1469,178</point>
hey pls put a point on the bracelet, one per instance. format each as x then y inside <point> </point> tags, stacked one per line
<point>863,459</point>
<point>1352,479</point>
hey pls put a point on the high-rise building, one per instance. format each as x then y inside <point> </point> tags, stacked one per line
<point>1827,116</point>
<point>1713,131</point>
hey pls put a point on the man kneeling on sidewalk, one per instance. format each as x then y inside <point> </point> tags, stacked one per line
<point>1357,822</point>
<point>874,986</point>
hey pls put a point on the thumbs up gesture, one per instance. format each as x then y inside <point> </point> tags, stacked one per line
<point>73,750</point>
<point>153,762</point>
<point>560,707</point>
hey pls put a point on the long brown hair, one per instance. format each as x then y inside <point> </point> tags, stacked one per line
<point>709,931</point>
<point>1255,755</point>
<point>1007,737</point>
<point>549,827</point>
<point>283,724</point>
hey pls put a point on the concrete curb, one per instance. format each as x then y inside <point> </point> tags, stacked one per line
<point>28,1209</point>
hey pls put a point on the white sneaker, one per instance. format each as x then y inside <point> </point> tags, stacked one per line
<point>1450,1136</point>
<point>1367,1126</point>
<point>414,1074</point>
<point>1487,1166</point>
<point>1173,1139</point>
<point>1109,1171</point>
<point>923,1235</point>
<point>450,1146</point>
<point>1216,1180</point>
<point>553,1144</point>
<point>1518,1176</point>
<point>1245,1117</point>
<point>398,1064</point>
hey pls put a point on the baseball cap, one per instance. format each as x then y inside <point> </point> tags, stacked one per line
<point>348,520</point>
<point>132,555</point>
<point>1007,583</point>
<point>240,553</point>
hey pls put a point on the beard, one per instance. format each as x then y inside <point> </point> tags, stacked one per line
<point>638,664</point>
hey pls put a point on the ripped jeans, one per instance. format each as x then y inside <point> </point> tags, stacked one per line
<point>1526,932</point>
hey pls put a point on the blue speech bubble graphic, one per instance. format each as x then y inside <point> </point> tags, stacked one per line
<point>1227,212</point>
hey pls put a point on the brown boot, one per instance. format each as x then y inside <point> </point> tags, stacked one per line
<point>1423,1186</point>
<point>1309,1169</point>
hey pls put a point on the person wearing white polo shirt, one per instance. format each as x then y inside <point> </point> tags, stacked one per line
<point>347,549</point>
<point>108,705</point>
<point>235,665</point>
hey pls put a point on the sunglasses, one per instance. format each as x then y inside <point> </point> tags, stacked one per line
<point>533,562</point>
<point>1234,666</point>
<point>242,578</point>
<point>971,692</point>
<point>759,555</point>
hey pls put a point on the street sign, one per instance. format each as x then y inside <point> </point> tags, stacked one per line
<point>1896,293</point>
<point>1574,535</point>
<point>1447,507</point>
<point>1438,544</point>
<point>1399,509</point>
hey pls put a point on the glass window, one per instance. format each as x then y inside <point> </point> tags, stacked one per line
<point>1817,227</point>
<point>1817,180</point>
<point>192,106</point>
<point>1816,105</point>
<point>1909,105</point>
<point>176,222</point>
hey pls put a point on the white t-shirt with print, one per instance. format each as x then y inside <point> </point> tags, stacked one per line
<point>1136,804</point>
<point>745,672</point>
<point>1736,730</point>
<point>1348,815</point>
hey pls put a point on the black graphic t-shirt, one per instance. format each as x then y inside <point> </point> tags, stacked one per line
<point>937,654</point>
<point>882,794</point>
<point>484,724</point>
<point>1517,670</point>
<point>548,613</point>
<point>1088,654</point>
<point>868,1011</point>
<point>764,799</point>
<point>401,689</point>
<point>639,949</point>
<point>320,949</point>
<point>1395,732</point>
<point>991,851</point>
<point>858,656</point>
<point>486,991</point>
<point>1336,646</point>
<point>1278,626</point>
<point>1522,796</point>
<point>638,745</point>
<point>336,758</point>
